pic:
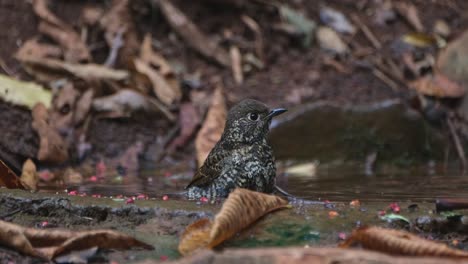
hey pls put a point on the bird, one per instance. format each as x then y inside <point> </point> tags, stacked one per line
<point>242,158</point>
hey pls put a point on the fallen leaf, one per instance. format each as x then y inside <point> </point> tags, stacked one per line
<point>438,85</point>
<point>336,20</point>
<point>411,14</point>
<point>157,69</point>
<point>88,72</point>
<point>189,120</point>
<point>23,93</point>
<point>392,217</point>
<point>452,60</point>
<point>72,177</point>
<point>63,108</point>
<point>8,178</point>
<point>441,28</point>
<point>75,49</point>
<point>420,40</point>
<point>190,33</point>
<point>83,106</point>
<point>400,243</point>
<point>29,176</point>
<point>330,41</point>
<point>240,210</point>
<point>302,24</point>
<point>122,103</point>
<point>91,15</point>
<point>48,244</point>
<point>52,147</point>
<point>213,126</point>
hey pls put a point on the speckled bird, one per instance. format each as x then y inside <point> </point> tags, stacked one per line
<point>242,157</point>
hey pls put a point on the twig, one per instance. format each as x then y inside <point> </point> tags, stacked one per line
<point>259,43</point>
<point>117,43</point>
<point>457,143</point>
<point>5,68</point>
<point>384,78</point>
<point>367,32</point>
<point>162,108</point>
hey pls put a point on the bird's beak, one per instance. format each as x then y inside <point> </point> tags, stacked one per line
<point>275,112</point>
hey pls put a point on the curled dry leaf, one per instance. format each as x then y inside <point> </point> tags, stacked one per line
<point>188,31</point>
<point>122,102</point>
<point>400,243</point>
<point>330,41</point>
<point>438,85</point>
<point>48,244</point>
<point>157,69</point>
<point>241,209</point>
<point>29,176</point>
<point>75,49</point>
<point>8,178</point>
<point>83,106</point>
<point>213,127</point>
<point>52,147</point>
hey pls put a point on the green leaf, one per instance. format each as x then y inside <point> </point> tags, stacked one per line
<point>393,217</point>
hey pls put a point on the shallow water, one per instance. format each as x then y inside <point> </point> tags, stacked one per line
<point>407,166</point>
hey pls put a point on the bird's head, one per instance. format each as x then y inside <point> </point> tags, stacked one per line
<point>249,121</point>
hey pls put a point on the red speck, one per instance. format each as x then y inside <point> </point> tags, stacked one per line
<point>73,193</point>
<point>203,199</point>
<point>333,214</point>
<point>165,198</point>
<point>395,207</point>
<point>44,224</point>
<point>326,201</point>
<point>96,196</point>
<point>355,203</point>
<point>382,213</point>
<point>46,175</point>
<point>167,174</point>
<point>342,235</point>
<point>142,197</point>
<point>163,258</point>
<point>129,201</point>
<point>93,178</point>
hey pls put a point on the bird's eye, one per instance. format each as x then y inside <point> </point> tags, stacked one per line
<point>253,116</point>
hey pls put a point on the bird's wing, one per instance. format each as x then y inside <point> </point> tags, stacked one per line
<point>210,170</point>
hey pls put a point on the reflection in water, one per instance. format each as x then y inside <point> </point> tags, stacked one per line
<point>348,182</point>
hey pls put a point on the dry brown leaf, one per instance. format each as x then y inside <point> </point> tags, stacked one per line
<point>399,242</point>
<point>213,127</point>
<point>8,178</point>
<point>29,176</point>
<point>438,85</point>
<point>192,35</point>
<point>75,49</point>
<point>122,102</point>
<point>91,15</point>
<point>49,244</point>
<point>33,48</point>
<point>83,106</point>
<point>88,72</point>
<point>151,57</point>
<point>241,209</point>
<point>52,147</point>
<point>189,120</point>
<point>63,107</point>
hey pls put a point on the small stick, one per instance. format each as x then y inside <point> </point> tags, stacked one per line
<point>117,43</point>
<point>457,143</point>
<point>367,32</point>
<point>387,80</point>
